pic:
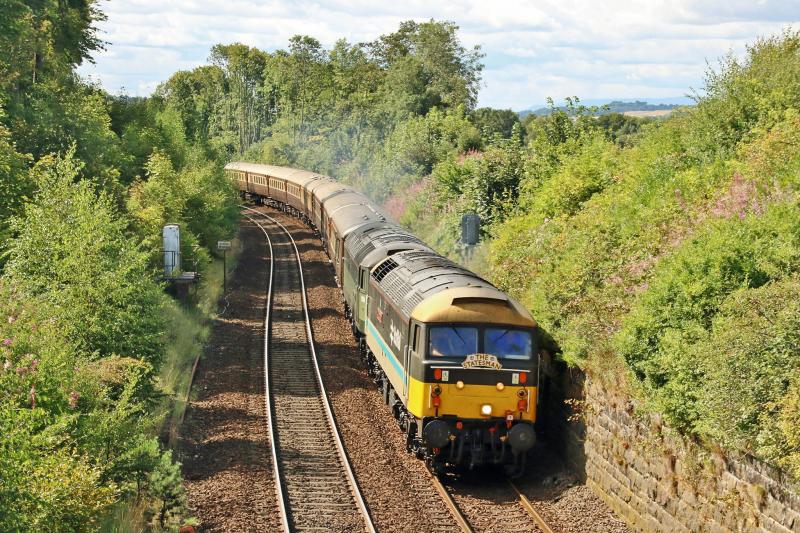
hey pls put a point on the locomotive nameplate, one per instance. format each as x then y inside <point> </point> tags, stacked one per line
<point>482,360</point>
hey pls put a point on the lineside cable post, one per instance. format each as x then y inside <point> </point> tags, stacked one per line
<point>224,246</point>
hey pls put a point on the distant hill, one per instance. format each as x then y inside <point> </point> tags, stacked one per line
<point>638,107</point>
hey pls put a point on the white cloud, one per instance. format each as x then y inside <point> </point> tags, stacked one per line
<point>534,48</point>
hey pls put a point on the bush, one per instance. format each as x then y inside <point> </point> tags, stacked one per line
<point>201,199</point>
<point>745,98</point>
<point>72,250</point>
<point>686,295</point>
<point>55,416</point>
<point>590,170</point>
<point>750,361</point>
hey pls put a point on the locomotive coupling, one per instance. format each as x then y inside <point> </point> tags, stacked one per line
<point>478,441</point>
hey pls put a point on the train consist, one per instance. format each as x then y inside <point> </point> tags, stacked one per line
<point>454,357</point>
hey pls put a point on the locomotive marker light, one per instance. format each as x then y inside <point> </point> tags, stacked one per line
<point>500,385</point>
<point>436,400</point>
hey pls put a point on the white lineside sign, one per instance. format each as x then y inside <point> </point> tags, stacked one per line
<point>172,250</point>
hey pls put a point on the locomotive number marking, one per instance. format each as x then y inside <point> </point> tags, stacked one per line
<point>394,335</point>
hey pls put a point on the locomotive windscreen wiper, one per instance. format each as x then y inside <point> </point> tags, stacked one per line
<point>458,335</point>
<point>503,335</point>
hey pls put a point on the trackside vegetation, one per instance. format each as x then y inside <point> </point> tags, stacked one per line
<point>664,260</point>
<point>92,350</point>
<point>661,256</point>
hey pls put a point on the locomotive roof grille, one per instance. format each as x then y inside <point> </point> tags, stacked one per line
<point>422,273</point>
<point>412,300</point>
<point>363,244</point>
<point>384,268</point>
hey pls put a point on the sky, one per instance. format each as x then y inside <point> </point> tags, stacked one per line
<point>534,49</point>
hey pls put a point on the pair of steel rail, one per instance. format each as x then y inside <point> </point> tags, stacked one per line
<point>314,480</point>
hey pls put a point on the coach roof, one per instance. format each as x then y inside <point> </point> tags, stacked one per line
<point>299,177</point>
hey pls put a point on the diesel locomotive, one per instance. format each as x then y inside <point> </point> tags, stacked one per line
<point>454,357</point>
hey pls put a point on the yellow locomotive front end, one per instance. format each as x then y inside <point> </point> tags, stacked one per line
<point>475,387</point>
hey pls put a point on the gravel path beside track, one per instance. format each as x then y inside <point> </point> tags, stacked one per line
<point>224,446</point>
<point>565,504</point>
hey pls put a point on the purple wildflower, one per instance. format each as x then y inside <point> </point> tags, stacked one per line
<point>7,342</point>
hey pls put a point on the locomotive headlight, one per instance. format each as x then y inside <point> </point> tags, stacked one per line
<point>486,409</point>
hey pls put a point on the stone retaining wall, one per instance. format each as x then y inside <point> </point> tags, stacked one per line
<point>653,478</point>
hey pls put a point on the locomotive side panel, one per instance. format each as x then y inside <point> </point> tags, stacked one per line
<point>386,336</point>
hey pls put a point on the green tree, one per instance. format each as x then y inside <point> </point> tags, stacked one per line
<point>244,105</point>
<point>72,247</point>
<point>15,186</point>
<point>427,66</point>
<point>45,40</point>
<point>495,122</point>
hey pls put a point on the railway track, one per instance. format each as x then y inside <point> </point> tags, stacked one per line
<point>512,511</point>
<point>315,485</point>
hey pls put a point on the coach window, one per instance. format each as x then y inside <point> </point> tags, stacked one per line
<point>416,344</point>
<point>362,282</point>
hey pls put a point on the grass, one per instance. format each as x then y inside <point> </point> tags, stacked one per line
<point>188,330</point>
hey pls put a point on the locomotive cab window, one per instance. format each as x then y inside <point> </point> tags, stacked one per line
<point>415,345</point>
<point>461,341</point>
<point>508,343</point>
<point>452,341</point>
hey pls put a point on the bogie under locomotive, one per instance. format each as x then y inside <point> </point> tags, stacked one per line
<point>454,357</point>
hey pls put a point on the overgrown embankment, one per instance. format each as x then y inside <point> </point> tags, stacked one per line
<point>666,266</point>
<point>88,336</point>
